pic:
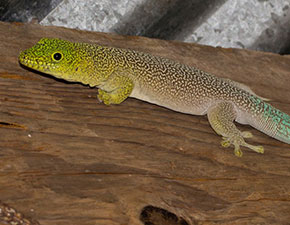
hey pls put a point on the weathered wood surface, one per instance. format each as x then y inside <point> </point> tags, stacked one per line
<point>67,159</point>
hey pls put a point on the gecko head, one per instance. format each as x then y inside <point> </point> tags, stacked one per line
<point>56,57</point>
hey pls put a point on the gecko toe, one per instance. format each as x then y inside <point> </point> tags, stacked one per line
<point>256,148</point>
<point>104,97</point>
<point>247,134</point>
<point>225,143</point>
<point>238,152</point>
<point>260,149</point>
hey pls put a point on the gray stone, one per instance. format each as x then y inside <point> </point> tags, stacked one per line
<point>128,17</point>
<point>25,11</point>
<point>253,24</point>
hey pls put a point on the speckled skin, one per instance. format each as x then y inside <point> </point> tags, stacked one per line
<point>122,73</point>
<point>11,216</point>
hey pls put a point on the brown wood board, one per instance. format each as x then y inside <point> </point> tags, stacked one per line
<point>65,158</point>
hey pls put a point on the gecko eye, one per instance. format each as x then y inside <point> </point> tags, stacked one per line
<point>56,56</point>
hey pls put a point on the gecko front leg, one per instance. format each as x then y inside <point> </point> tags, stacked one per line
<point>116,89</point>
<point>221,117</point>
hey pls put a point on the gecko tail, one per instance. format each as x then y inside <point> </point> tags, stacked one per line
<point>271,121</point>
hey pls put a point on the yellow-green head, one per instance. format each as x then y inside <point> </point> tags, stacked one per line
<point>66,60</point>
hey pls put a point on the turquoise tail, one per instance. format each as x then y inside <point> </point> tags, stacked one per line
<point>271,121</point>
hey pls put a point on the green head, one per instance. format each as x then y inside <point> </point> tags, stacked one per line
<point>63,59</point>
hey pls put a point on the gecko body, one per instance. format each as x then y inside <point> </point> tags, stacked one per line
<point>121,73</point>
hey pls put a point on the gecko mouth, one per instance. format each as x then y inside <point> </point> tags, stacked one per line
<point>35,64</point>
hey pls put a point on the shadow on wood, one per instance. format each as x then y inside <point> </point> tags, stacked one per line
<point>67,159</point>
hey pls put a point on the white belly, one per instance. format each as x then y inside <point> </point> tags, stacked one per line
<point>170,104</point>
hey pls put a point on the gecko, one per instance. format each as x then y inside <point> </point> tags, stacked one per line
<point>121,73</point>
<point>11,216</point>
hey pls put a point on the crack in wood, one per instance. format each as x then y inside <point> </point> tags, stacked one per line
<point>12,125</point>
<point>15,76</point>
<point>151,215</point>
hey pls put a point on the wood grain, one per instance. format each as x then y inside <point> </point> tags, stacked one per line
<point>65,158</point>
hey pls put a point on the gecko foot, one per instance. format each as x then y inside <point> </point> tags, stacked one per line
<point>104,97</point>
<point>238,140</point>
<point>234,140</point>
<point>113,97</point>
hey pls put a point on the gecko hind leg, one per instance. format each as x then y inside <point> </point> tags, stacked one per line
<point>221,117</point>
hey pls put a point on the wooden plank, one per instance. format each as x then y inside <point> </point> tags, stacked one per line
<point>65,158</point>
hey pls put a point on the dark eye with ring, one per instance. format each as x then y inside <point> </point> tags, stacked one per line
<point>57,56</point>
